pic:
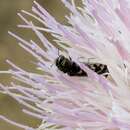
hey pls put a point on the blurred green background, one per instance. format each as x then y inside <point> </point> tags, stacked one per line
<point>10,50</point>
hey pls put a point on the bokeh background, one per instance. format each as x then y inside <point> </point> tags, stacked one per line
<point>10,50</point>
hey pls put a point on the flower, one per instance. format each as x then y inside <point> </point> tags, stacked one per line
<point>98,30</point>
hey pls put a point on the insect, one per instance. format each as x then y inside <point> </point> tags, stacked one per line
<point>70,67</point>
<point>100,69</point>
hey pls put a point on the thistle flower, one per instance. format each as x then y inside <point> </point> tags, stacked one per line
<point>99,30</point>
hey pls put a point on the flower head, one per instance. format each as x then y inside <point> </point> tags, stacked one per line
<point>98,31</point>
